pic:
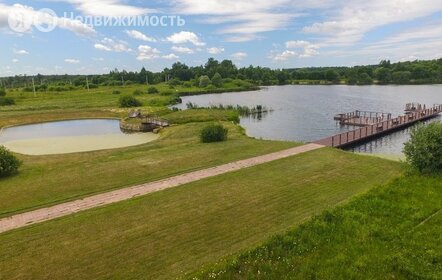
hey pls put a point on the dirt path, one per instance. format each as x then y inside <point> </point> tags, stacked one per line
<point>60,210</point>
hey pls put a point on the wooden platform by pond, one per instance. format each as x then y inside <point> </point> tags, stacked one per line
<point>372,130</point>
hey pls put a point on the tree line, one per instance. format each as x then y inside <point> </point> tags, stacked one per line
<point>410,72</point>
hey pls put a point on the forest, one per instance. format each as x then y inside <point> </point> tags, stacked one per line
<point>410,72</point>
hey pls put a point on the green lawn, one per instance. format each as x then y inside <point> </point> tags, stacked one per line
<point>46,180</point>
<point>173,232</point>
<point>393,232</point>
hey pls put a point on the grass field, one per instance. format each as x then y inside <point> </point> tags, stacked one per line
<point>100,97</point>
<point>169,233</point>
<point>393,232</point>
<point>45,180</point>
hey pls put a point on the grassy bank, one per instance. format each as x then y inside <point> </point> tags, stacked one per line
<point>46,180</point>
<point>169,233</point>
<point>106,96</point>
<point>393,232</point>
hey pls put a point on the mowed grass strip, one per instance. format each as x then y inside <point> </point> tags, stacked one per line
<point>167,234</point>
<point>393,232</point>
<point>48,180</point>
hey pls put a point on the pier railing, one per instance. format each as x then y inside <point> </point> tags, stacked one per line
<point>379,128</point>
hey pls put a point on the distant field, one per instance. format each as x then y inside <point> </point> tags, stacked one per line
<point>169,233</point>
<point>393,232</point>
<point>99,97</point>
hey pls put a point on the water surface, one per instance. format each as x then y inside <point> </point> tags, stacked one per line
<point>305,113</point>
<point>70,136</point>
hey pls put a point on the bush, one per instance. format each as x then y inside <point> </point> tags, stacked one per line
<point>213,133</point>
<point>138,92</point>
<point>174,82</point>
<point>424,150</point>
<point>127,101</point>
<point>217,80</point>
<point>6,101</point>
<point>9,164</point>
<point>116,92</point>
<point>152,90</point>
<point>2,92</point>
<point>204,81</point>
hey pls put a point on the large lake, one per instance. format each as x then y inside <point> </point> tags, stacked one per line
<point>305,113</point>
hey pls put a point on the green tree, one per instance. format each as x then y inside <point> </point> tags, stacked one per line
<point>332,75</point>
<point>2,92</point>
<point>204,81</point>
<point>401,77</point>
<point>424,150</point>
<point>9,164</point>
<point>217,80</point>
<point>383,75</point>
<point>364,79</point>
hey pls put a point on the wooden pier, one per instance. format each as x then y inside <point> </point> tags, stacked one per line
<point>372,130</point>
<point>361,118</point>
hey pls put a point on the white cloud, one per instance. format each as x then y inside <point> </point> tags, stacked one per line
<point>239,55</point>
<point>185,37</point>
<point>355,18</point>
<point>27,18</point>
<point>110,45</point>
<point>15,60</point>
<point>20,52</point>
<point>245,17</point>
<point>108,8</point>
<point>283,56</point>
<point>171,56</point>
<point>215,50</point>
<point>146,52</point>
<point>72,61</point>
<point>139,36</point>
<point>182,49</point>
<point>306,48</point>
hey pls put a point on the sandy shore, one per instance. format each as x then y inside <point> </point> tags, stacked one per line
<point>74,144</point>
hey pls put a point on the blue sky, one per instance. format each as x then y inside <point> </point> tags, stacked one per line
<point>277,33</point>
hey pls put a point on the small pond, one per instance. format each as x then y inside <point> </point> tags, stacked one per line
<point>70,136</point>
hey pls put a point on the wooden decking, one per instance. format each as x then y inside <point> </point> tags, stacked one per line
<point>373,130</point>
<point>154,120</point>
<point>362,118</point>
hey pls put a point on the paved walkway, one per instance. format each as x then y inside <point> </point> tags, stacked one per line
<point>60,210</point>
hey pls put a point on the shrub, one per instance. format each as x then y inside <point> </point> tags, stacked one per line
<point>127,101</point>
<point>138,92</point>
<point>167,92</point>
<point>424,150</point>
<point>187,84</point>
<point>2,92</point>
<point>213,133</point>
<point>217,80</point>
<point>6,101</point>
<point>116,92</point>
<point>174,82</point>
<point>9,164</point>
<point>204,81</point>
<point>152,90</point>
